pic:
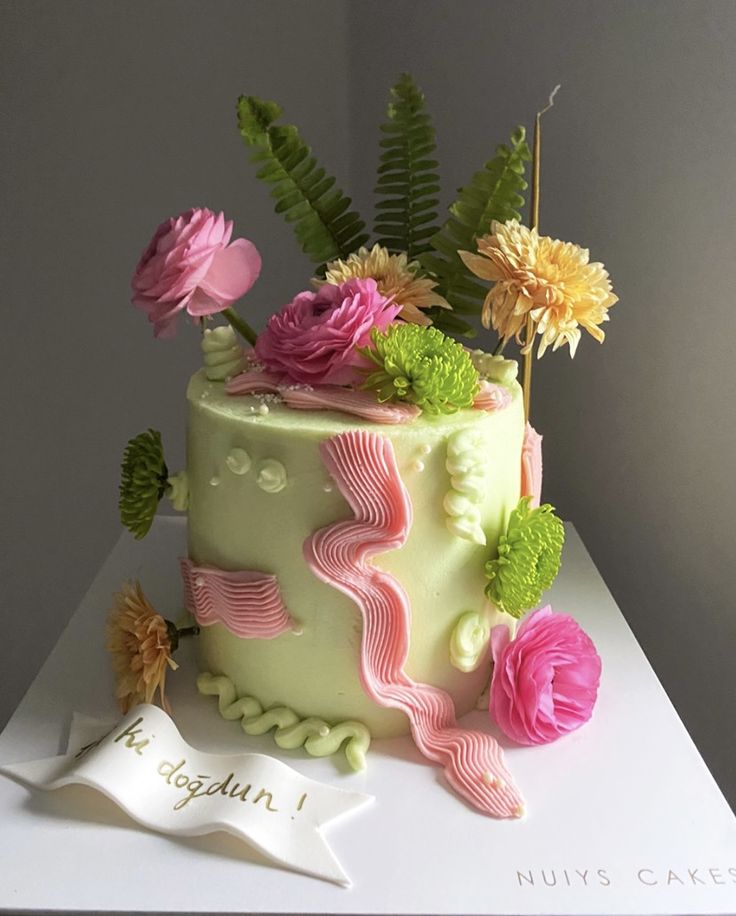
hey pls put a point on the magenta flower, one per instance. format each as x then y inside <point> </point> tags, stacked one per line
<point>314,339</point>
<point>545,681</point>
<point>191,264</point>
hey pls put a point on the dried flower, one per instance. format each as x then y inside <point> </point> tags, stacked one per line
<point>396,278</point>
<point>422,366</point>
<point>549,279</point>
<point>528,560</point>
<point>141,643</point>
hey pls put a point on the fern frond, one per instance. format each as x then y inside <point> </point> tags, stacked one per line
<point>407,180</point>
<point>305,194</point>
<point>494,193</point>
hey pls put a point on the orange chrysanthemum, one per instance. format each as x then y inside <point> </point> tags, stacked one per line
<point>396,279</point>
<point>140,644</point>
<point>550,280</point>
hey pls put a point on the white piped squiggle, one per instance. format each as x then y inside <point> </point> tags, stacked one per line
<point>465,463</point>
<point>222,355</point>
<point>313,734</point>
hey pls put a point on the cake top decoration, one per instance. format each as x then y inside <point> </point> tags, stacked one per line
<point>417,270</point>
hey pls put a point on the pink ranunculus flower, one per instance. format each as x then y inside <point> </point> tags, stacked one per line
<point>314,339</point>
<point>545,681</point>
<point>191,264</point>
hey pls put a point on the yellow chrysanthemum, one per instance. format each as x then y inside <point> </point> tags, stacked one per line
<point>140,642</point>
<point>395,277</point>
<point>549,279</point>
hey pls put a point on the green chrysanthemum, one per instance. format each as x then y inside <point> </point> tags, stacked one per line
<point>423,366</point>
<point>143,482</point>
<point>528,558</point>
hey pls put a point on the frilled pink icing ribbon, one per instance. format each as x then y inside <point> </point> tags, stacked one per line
<point>322,397</point>
<point>531,465</point>
<point>363,466</point>
<point>247,603</point>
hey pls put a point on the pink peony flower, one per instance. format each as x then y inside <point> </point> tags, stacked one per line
<point>314,339</point>
<point>189,264</point>
<point>545,681</point>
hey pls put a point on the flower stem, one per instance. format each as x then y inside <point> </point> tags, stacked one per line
<point>240,325</point>
<point>502,341</point>
<point>189,631</point>
<point>533,224</point>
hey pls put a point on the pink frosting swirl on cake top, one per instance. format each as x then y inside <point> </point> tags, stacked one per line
<point>492,396</point>
<point>364,467</point>
<point>361,404</point>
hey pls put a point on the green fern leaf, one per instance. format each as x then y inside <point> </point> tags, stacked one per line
<point>305,194</point>
<point>407,181</point>
<point>494,193</point>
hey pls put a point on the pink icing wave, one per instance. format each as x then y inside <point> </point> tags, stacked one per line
<point>531,465</point>
<point>323,397</point>
<point>248,603</point>
<point>492,397</point>
<point>363,465</point>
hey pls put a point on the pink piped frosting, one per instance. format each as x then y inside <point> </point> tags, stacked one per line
<point>364,468</point>
<point>361,404</point>
<point>492,397</point>
<point>247,603</point>
<point>531,465</point>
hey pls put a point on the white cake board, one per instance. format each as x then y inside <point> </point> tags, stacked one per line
<point>626,801</point>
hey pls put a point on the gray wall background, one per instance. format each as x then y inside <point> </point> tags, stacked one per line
<point>116,115</point>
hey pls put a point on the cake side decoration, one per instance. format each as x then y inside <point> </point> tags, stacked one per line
<point>531,465</point>
<point>465,464</point>
<point>144,480</point>
<point>141,644</point>
<point>364,468</point>
<point>248,603</point>
<point>528,558</point>
<point>469,641</point>
<point>545,680</point>
<point>312,733</point>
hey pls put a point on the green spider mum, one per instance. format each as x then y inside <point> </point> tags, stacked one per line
<point>528,559</point>
<point>423,366</point>
<point>143,482</point>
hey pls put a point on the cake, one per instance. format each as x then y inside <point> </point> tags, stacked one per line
<point>362,489</point>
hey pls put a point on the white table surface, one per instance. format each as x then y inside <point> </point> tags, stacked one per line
<point>623,815</point>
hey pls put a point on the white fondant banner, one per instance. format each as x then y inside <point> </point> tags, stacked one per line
<point>147,768</point>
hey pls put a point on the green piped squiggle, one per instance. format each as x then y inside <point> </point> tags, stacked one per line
<point>318,738</point>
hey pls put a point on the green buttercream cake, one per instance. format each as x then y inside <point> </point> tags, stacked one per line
<point>235,522</point>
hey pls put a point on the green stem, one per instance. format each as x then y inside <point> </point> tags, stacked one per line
<point>240,325</point>
<point>500,346</point>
